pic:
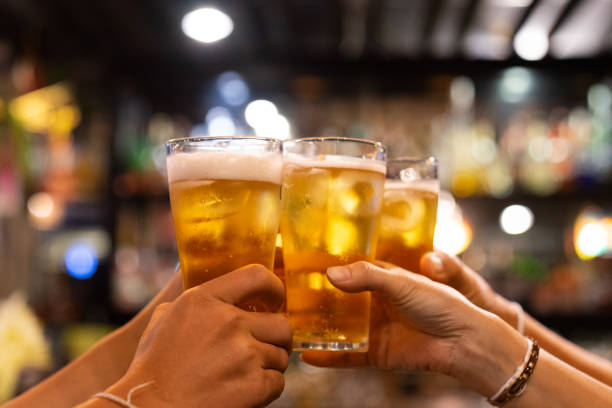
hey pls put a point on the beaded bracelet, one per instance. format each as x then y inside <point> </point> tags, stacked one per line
<point>517,383</point>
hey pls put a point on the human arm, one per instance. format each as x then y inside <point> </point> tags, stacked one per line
<point>201,350</point>
<point>102,365</point>
<point>423,325</point>
<point>451,271</point>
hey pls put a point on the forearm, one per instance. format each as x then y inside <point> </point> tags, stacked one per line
<point>486,361</point>
<point>557,384</point>
<point>95,370</point>
<point>556,345</point>
<point>104,364</point>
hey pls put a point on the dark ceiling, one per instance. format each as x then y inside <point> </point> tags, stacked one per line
<point>141,40</point>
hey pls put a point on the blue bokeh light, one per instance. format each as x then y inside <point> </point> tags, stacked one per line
<point>81,261</point>
<point>232,88</point>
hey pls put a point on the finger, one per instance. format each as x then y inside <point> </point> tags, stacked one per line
<point>394,284</point>
<point>272,328</point>
<point>273,358</point>
<point>334,359</point>
<point>273,386</point>
<point>159,311</point>
<point>449,270</point>
<point>385,264</point>
<point>243,284</point>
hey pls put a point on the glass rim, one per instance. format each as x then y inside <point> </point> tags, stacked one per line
<point>370,142</point>
<point>193,139</point>
<point>414,159</point>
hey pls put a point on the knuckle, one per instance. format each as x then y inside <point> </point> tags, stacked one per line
<point>274,384</point>
<point>245,349</point>
<point>234,319</point>
<point>283,359</point>
<point>257,272</point>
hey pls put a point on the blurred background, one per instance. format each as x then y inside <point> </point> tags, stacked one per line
<point>513,96</point>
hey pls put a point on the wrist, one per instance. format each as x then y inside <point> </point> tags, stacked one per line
<point>140,390</point>
<point>489,355</point>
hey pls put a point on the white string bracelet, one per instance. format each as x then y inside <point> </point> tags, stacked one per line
<point>520,317</point>
<point>126,403</point>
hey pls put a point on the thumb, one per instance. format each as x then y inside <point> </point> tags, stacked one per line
<point>393,284</point>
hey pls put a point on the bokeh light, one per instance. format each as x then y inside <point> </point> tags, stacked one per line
<point>233,88</point>
<point>453,236</point>
<point>516,219</point>
<point>220,122</point>
<point>515,84</point>
<point>590,239</point>
<point>276,127</point>
<point>207,25</point>
<point>44,211</point>
<point>531,44</point>
<point>260,111</point>
<point>462,93</point>
<point>599,98</point>
<point>81,261</point>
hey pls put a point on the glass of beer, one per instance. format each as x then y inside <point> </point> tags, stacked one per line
<point>332,194</point>
<point>408,217</point>
<point>225,199</point>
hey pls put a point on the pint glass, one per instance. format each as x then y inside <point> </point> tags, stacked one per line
<point>408,217</point>
<point>332,194</point>
<point>225,199</point>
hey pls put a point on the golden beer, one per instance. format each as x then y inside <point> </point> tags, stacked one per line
<point>407,223</point>
<point>330,217</point>
<point>408,216</point>
<point>226,210</point>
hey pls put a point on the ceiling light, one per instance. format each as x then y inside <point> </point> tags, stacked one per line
<point>207,25</point>
<point>531,44</point>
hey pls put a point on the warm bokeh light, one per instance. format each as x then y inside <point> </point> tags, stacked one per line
<point>47,109</point>
<point>516,219</point>
<point>41,205</point>
<point>207,25</point>
<point>590,239</point>
<point>453,236</point>
<point>44,211</point>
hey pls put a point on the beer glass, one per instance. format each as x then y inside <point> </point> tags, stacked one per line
<point>332,194</point>
<point>408,217</point>
<point>225,199</point>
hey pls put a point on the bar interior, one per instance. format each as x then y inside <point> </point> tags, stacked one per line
<point>513,98</point>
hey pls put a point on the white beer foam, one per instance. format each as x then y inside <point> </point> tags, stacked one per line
<point>224,166</point>
<point>428,186</point>
<point>336,161</point>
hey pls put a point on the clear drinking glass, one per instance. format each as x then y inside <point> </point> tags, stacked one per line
<point>225,199</point>
<point>408,217</point>
<point>332,191</point>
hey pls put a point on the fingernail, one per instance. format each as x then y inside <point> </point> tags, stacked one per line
<point>339,273</point>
